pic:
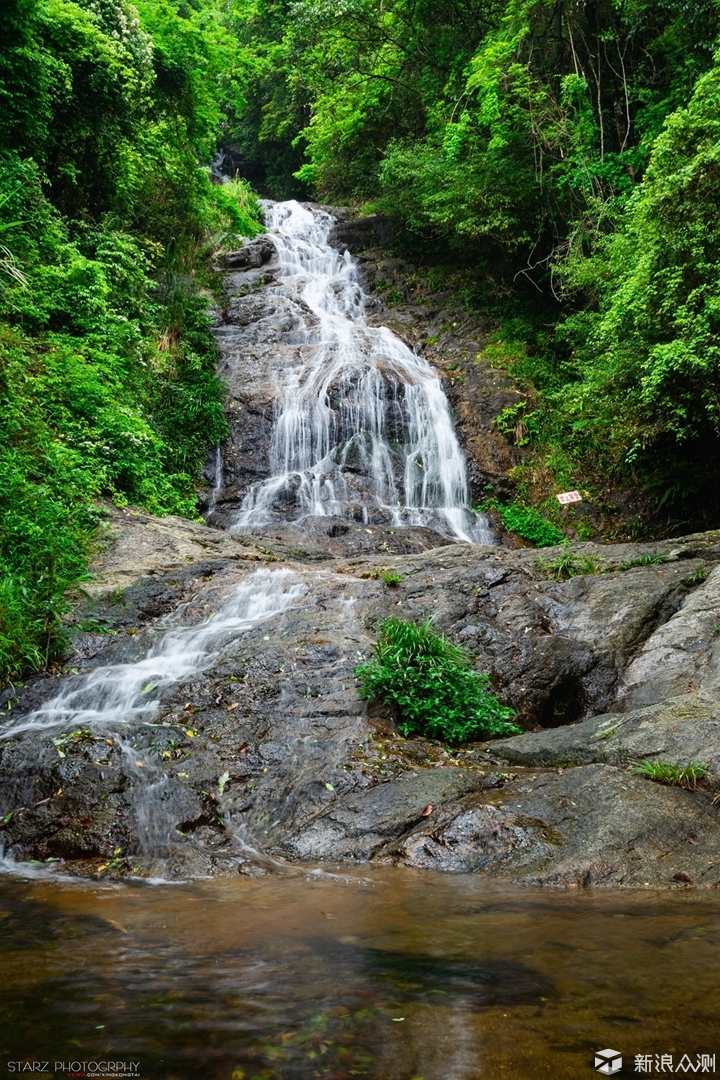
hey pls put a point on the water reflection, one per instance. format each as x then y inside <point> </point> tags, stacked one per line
<point>393,977</point>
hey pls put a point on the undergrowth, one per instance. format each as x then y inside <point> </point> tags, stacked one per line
<point>526,522</point>
<point>431,681</point>
<point>569,565</point>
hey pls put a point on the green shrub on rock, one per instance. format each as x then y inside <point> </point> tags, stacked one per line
<point>526,522</point>
<point>431,682</point>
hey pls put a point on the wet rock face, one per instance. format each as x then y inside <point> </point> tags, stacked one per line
<point>593,825</point>
<point>265,750</point>
<point>439,326</point>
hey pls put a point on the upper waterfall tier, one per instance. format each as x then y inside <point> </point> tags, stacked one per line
<point>361,428</point>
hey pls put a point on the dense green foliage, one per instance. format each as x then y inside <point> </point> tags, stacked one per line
<point>431,682</point>
<point>526,521</point>
<point>107,368</point>
<point>647,388</point>
<point>566,156</point>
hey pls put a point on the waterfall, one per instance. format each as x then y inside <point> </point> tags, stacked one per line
<point>362,425</point>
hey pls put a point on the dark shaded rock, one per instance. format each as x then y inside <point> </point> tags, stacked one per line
<point>361,233</point>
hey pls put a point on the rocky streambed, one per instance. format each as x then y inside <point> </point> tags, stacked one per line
<point>258,752</point>
<point>208,720</point>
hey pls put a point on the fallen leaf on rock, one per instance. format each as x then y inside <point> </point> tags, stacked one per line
<point>190,733</point>
<point>427,811</point>
<point>85,822</point>
<point>222,782</point>
<point>233,706</point>
<point>243,748</point>
<point>682,876</point>
<point>329,787</point>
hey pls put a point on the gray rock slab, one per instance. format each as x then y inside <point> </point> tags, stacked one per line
<point>683,729</point>
<point>135,544</point>
<point>591,826</point>
<point>682,655</point>
<point>363,823</point>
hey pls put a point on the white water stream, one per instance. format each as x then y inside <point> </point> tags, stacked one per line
<point>360,420</point>
<point>128,693</point>
<point>120,698</point>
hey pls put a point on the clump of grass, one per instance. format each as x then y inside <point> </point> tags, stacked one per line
<point>699,576</point>
<point>525,521</point>
<point>663,772</point>
<point>432,683</point>
<point>570,565</point>
<point>392,579</point>
<point>643,560</point>
<point>389,576</point>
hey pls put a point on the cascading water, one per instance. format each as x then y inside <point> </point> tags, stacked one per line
<point>361,424</point>
<point>125,694</point>
<point>120,700</point>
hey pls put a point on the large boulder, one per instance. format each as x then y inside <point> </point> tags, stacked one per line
<point>253,254</point>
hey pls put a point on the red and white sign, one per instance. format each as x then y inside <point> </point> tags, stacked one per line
<point>566,497</point>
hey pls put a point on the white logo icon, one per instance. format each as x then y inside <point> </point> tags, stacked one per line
<point>608,1061</point>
